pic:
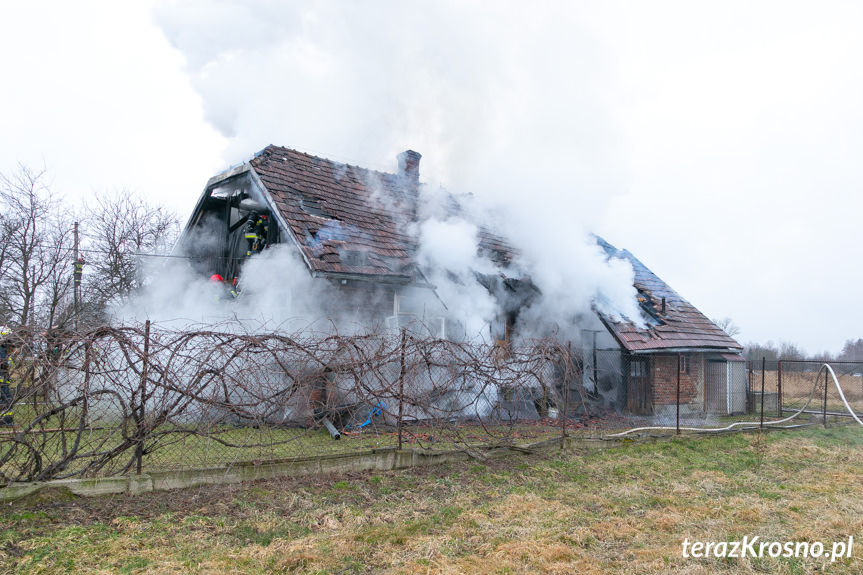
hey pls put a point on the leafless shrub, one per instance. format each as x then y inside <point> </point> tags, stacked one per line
<point>100,402</point>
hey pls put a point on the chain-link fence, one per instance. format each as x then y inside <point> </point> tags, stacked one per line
<point>119,401</point>
<point>717,391</point>
<point>807,387</point>
<point>122,400</point>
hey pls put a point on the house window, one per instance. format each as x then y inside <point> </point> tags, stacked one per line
<point>684,364</point>
<point>638,368</point>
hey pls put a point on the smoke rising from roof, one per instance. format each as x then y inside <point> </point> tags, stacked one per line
<point>275,293</point>
<point>363,82</point>
<point>732,129</point>
<point>360,83</point>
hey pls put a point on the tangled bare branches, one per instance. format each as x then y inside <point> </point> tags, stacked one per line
<point>112,400</point>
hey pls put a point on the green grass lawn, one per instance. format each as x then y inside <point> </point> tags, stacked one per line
<point>621,510</point>
<point>176,447</point>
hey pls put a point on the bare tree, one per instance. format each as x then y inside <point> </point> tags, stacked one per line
<point>727,325</point>
<point>121,228</point>
<point>790,351</point>
<point>852,350</point>
<point>35,258</point>
<point>756,351</point>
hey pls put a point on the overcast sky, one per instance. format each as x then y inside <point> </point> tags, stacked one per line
<point>720,143</point>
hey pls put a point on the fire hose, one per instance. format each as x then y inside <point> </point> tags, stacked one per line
<point>750,423</point>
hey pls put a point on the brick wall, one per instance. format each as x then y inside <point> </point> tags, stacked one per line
<point>665,380</point>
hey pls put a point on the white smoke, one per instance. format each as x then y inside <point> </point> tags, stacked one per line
<point>448,251</point>
<point>362,82</point>
<point>451,244</point>
<point>275,292</point>
<point>278,293</point>
<point>181,297</point>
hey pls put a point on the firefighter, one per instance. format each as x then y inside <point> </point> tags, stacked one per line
<point>79,270</point>
<point>5,391</point>
<point>255,232</point>
<point>226,291</point>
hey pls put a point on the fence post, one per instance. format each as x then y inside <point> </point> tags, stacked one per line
<point>748,386</point>
<point>567,374</point>
<point>142,399</point>
<point>826,380</point>
<point>763,374</point>
<point>401,385</point>
<point>779,386</point>
<point>678,394</point>
<point>85,411</point>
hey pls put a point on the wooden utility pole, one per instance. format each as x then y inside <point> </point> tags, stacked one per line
<point>76,280</point>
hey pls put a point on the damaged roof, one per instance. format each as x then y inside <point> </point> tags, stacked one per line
<point>351,220</point>
<point>679,326</point>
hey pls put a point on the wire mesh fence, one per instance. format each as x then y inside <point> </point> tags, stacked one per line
<point>807,387</point>
<point>126,400</point>
<point>677,390</point>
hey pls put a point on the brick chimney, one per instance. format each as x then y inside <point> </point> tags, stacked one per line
<point>409,165</point>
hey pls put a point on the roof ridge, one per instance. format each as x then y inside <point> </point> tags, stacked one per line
<point>325,159</point>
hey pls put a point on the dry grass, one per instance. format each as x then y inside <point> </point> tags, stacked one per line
<point>625,510</point>
<point>797,387</point>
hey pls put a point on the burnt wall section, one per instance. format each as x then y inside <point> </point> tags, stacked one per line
<point>664,377</point>
<point>357,306</point>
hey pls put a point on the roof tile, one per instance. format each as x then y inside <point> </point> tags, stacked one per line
<point>681,326</point>
<point>361,209</point>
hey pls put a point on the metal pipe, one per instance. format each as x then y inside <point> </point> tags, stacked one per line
<point>826,380</point>
<point>763,372</point>
<point>779,385</point>
<point>748,385</point>
<point>567,375</point>
<point>332,429</point>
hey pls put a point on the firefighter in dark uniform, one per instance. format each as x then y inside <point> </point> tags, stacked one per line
<point>5,390</point>
<point>255,232</point>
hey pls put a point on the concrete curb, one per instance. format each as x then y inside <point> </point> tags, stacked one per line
<point>376,459</point>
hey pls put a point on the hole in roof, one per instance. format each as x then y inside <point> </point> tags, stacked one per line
<point>314,208</point>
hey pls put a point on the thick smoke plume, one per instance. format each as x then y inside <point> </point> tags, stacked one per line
<point>276,292</point>
<point>361,83</point>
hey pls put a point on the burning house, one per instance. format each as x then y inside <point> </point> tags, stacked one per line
<point>671,340</point>
<point>354,231</point>
<point>354,234</point>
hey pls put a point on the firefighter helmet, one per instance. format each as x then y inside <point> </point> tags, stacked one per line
<point>216,278</point>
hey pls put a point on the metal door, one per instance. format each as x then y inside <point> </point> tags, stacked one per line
<point>737,386</point>
<point>716,387</point>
